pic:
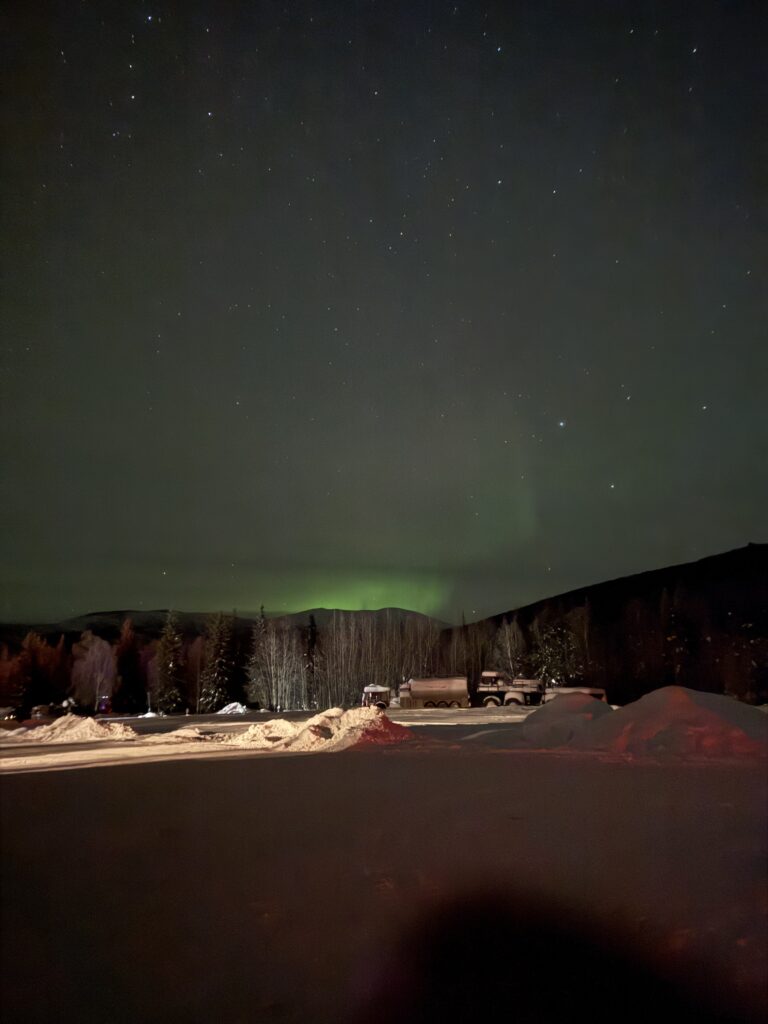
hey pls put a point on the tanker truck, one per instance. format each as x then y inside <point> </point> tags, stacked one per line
<point>444,692</point>
<point>495,689</point>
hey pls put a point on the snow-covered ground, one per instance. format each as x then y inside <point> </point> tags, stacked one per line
<point>328,731</point>
<point>246,886</point>
<point>672,721</point>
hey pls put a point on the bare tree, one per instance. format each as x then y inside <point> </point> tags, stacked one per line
<point>277,676</point>
<point>94,671</point>
<point>508,651</point>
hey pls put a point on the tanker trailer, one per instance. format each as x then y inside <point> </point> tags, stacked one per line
<point>443,692</point>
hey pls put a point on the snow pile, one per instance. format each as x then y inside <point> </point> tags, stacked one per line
<point>15,735</point>
<point>74,729</point>
<point>557,722</point>
<point>677,720</point>
<point>233,709</point>
<point>334,729</point>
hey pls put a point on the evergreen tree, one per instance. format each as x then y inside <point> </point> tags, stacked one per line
<point>310,655</point>
<point>42,672</point>
<point>130,695</point>
<point>556,657</point>
<point>216,677</point>
<point>169,663</point>
<point>259,691</point>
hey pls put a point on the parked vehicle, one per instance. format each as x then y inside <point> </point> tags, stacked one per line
<point>377,697</point>
<point>593,691</point>
<point>443,692</point>
<point>496,689</point>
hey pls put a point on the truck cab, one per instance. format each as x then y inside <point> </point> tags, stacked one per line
<point>377,697</point>
<point>496,689</point>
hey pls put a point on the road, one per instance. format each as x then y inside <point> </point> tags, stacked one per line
<point>497,727</point>
<point>460,718</point>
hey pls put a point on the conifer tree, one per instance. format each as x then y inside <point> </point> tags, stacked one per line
<point>168,698</point>
<point>216,677</point>
<point>130,695</point>
<point>556,657</point>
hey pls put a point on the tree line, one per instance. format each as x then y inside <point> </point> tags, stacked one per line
<point>280,665</point>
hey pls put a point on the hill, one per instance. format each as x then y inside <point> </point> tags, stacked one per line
<point>701,624</point>
<point>149,623</point>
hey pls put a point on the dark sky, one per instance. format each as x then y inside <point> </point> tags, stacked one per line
<point>446,306</point>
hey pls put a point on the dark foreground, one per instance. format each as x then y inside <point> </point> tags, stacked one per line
<point>286,888</point>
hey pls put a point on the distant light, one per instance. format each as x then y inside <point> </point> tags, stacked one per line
<point>561,423</point>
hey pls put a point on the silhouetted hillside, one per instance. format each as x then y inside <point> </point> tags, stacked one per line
<point>701,624</point>
<point>149,624</point>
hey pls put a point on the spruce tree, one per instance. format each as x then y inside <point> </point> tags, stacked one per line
<point>258,672</point>
<point>168,698</point>
<point>216,677</point>
<point>556,657</point>
<point>130,695</point>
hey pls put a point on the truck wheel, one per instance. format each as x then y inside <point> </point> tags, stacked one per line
<point>442,704</point>
<point>454,704</point>
<point>491,702</point>
<point>429,704</point>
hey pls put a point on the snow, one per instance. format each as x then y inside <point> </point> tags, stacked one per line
<point>676,720</point>
<point>235,708</point>
<point>316,865</point>
<point>334,729</point>
<point>557,722</point>
<point>672,720</point>
<point>73,729</point>
<point>187,734</point>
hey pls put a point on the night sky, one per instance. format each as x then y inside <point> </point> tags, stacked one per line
<point>445,306</point>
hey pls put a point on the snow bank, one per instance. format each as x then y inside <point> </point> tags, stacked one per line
<point>334,729</point>
<point>556,723</point>
<point>14,735</point>
<point>74,729</point>
<point>234,708</point>
<point>677,720</point>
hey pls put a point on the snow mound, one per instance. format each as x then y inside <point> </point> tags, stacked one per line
<point>558,722</point>
<point>234,708</point>
<point>334,729</point>
<point>74,729</point>
<point>20,735</point>
<point>676,720</point>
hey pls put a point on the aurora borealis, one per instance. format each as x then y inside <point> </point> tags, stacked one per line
<point>445,306</point>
